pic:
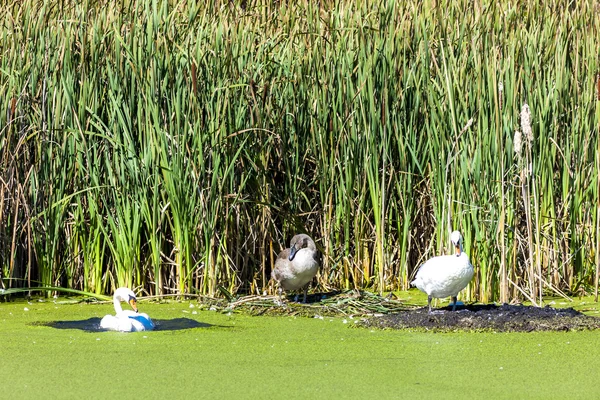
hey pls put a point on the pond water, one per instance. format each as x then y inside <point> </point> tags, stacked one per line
<point>56,351</point>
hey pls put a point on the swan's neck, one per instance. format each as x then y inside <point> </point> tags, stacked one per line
<point>117,304</point>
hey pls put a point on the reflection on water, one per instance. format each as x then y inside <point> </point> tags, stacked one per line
<point>93,324</point>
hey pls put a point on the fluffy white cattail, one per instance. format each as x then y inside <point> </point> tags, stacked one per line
<point>467,126</point>
<point>500,90</point>
<point>517,143</point>
<point>526,123</point>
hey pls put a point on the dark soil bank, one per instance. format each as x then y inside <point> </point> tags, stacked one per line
<point>504,318</point>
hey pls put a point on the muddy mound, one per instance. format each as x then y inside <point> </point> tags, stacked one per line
<point>490,317</point>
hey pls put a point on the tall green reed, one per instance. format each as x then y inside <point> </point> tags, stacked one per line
<point>176,147</point>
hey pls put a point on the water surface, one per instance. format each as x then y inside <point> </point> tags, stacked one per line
<point>54,351</point>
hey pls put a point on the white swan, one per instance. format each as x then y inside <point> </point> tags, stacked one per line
<point>126,320</point>
<point>296,267</point>
<point>444,276</point>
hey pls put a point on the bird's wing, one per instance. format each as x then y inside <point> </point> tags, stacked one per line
<point>282,265</point>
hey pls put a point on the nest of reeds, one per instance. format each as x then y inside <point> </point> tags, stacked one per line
<point>347,303</point>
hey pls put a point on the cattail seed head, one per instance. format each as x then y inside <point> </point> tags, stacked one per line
<point>500,90</point>
<point>467,126</point>
<point>517,143</point>
<point>526,123</point>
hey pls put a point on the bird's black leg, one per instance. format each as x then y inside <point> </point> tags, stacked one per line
<point>454,300</point>
<point>429,303</point>
<point>305,292</point>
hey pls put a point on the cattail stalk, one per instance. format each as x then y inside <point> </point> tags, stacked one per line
<point>597,189</point>
<point>527,178</point>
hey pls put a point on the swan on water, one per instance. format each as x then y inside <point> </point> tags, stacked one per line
<point>296,266</point>
<point>445,276</point>
<point>126,320</point>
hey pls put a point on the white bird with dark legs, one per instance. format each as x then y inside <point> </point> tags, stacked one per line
<point>297,266</point>
<point>445,276</point>
<point>126,320</point>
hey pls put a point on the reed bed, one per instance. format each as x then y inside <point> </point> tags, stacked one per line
<point>175,147</point>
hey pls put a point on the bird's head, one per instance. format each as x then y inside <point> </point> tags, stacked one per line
<point>126,294</point>
<point>456,239</point>
<point>299,242</point>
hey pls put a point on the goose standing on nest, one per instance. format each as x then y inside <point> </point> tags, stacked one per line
<point>126,320</point>
<point>444,276</point>
<point>297,266</point>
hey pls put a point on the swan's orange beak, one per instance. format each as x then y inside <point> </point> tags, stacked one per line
<point>133,304</point>
<point>457,250</point>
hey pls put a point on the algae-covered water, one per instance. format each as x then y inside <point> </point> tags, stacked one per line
<point>49,351</point>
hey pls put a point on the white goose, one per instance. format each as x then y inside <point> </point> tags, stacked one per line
<point>296,267</point>
<point>444,276</point>
<point>126,320</point>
